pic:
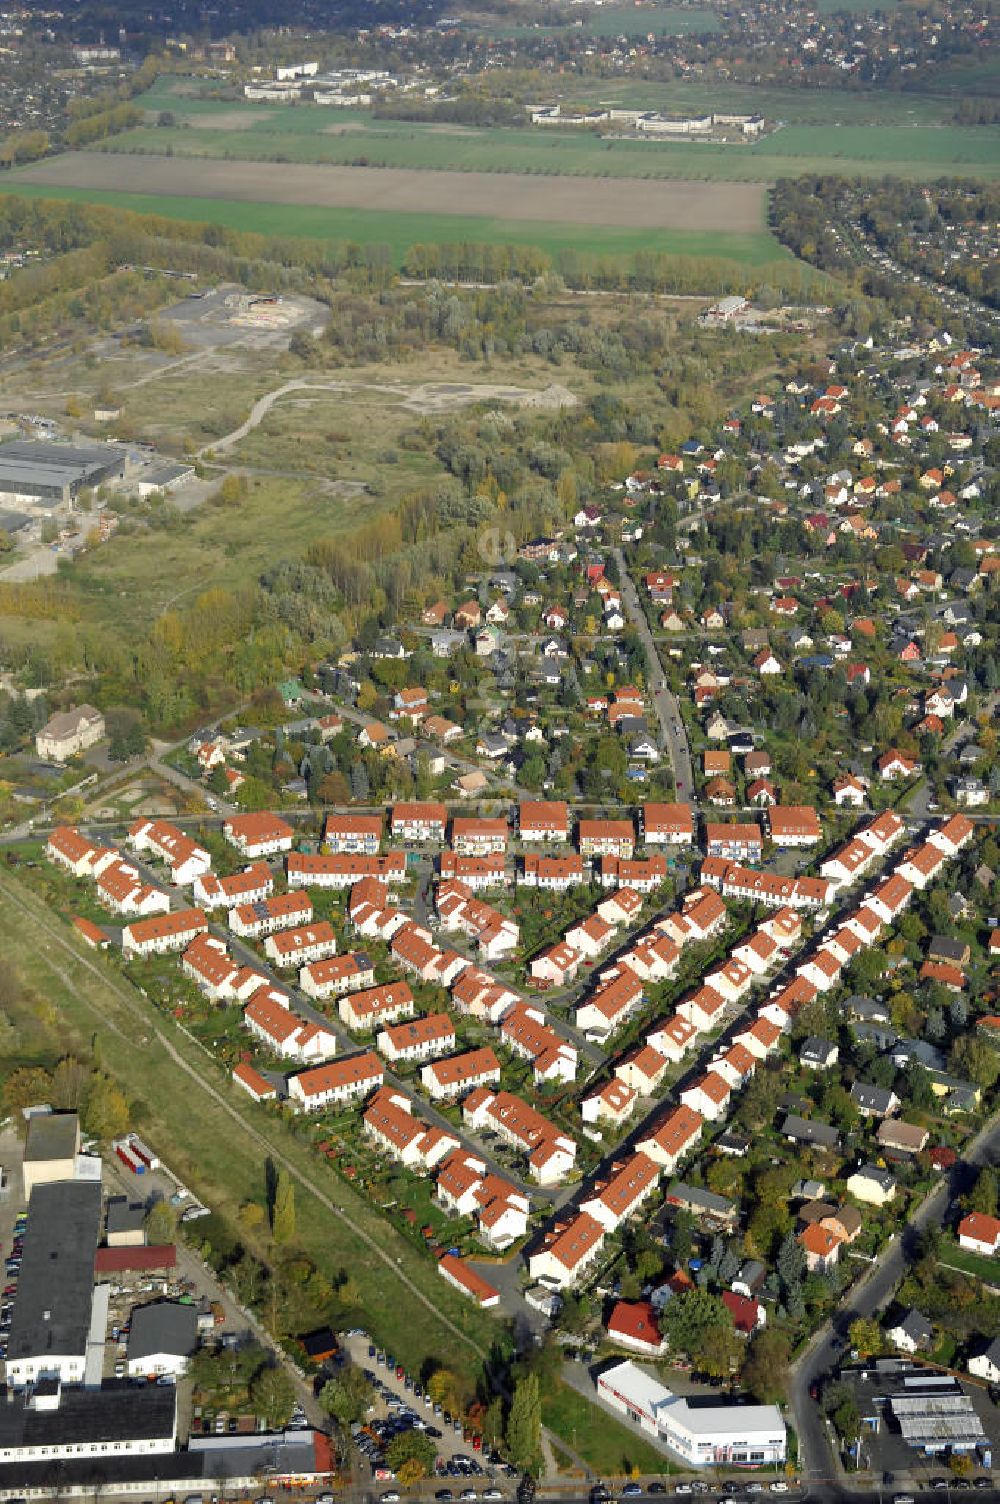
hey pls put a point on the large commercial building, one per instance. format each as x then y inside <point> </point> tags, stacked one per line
<point>39,473</point>
<point>50,1150</point>
<point>703,1433</point>
<point>55,1292</point>
<point>50,1424</point>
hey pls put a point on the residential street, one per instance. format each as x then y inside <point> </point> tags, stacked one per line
<point>872,1294</point>
<point>673,737</point>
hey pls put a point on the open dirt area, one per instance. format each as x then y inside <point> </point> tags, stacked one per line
<point>643,204</point>
<point>227,120</point>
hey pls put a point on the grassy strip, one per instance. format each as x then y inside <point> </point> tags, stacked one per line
<point>215,1146</point>
<point>976,1264</point>
<point>399,231</point>
<point>610,1448</point>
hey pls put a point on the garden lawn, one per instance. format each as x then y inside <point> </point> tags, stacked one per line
<point>604,1444</point>
<point>976,1264</point>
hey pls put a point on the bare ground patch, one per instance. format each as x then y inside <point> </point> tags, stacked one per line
<point>227,120</point>
<point>639,203</point>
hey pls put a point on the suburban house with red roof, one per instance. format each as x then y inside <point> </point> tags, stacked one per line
<point>257,835</point>
<point>566,1251</point>
<point>980,1234</point>
<point>633,1325</point>
<point>356,1076</point>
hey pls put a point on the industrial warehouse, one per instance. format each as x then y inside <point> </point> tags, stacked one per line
<point>40,473</point>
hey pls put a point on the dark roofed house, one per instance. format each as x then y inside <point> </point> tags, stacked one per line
<point>907,1052</point>
<point>815,1211</point>
<point>880,1036</point>
<point>750,1278</point>
<point>125,1223</point>
<point>818,1054</point>
<point>801,1130</point>
<point>702,1203</point>
<point>873,1101</point>
<point>910,1331</point>
<point>866,1010</point>
<point>952,952</point>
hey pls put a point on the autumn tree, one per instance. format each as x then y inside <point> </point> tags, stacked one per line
<point>984,1195</point>
<point>765,1371</point>
<point>69,1080</point>
<point>717,1351</point>
<point>161,1223</point>
<point>865,1336</point>
<point>347,1396</point>
<point>524,1424</point>
<point>105,1108</point>
<point>443,1388</point>
<point>411,1456</point>
<point>272,1395</point>
<point>26,1087</point>
<point>283,1210</point>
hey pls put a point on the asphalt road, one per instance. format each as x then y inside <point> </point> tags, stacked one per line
<point>668,713</point>
<point>872,1294</point>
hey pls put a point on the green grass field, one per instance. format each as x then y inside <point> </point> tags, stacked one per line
<point>398,232</point>
<point>915,151</point>
<point>975,1264</point>
<point>606,1445</point>
<point>215,1150</point>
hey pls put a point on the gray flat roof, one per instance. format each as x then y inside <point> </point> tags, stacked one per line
<point>52,1135</point>
<point>48,464</point>
<point>123,1413</point>
<point>286,1457</point>
<point>56,1285</point>
<point>125,1215</point>
<point>162,475</point>
<point>162,1327</point>
<point>61,456</point>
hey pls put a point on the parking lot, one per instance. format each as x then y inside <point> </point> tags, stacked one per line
<point>465,1466</point>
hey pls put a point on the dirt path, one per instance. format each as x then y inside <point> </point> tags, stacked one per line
<point>640,203</point>
<point>426,398</point>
